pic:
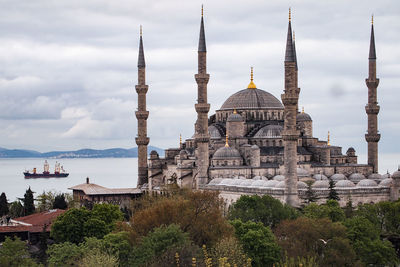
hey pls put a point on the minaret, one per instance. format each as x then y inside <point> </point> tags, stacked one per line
<point>372,108</point>
<point>142,114</point>
<point>202,107</point>
<point>295,60</point>
<point>290,134</point>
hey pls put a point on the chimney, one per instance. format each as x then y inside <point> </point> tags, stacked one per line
<point>87,180</point>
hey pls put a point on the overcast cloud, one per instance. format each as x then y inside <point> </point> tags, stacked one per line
<point>68,68</point>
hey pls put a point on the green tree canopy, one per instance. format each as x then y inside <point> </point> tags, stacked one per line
<point>329,210</point>
<point>70,226</point>
<point>14,253</point>
<point>29,206</point>
<point>60,202</point>
<point>265,209</point>
<point>16,209</point>
<point>3,205</point>
<point>258,242</point>
<point>107,213</point>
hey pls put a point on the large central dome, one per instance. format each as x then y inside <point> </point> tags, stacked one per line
<point>252,99</point>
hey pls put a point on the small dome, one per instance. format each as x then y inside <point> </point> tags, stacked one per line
<point>367,183</point>
<point>234,117</point>
<point>279,178</point>
<point>259,183</point>
<point>321,184</point>
<point>213,132</point>
<point>376,177</point>
<point>351,149</point>
<point>215,181</point>
<point>227,181</point>
<point>319,177</point>
<point>303,117</point>
<point>396,174</point>
<point>226,152</point>
<point>247,182</point>
<point>254,147</point>
<point>252,99</point>
<point>271,183</point>
<point>241,177</point>
<point>258,177</point>
<point>280,185</point>
<point>302,172</point>
<point>344,183</point>
<point>301,185</point>
<point>356,177</point>
<point>386,175</point>
<point>337,177</point>
<point>386,182</point>
<point>270,131</point>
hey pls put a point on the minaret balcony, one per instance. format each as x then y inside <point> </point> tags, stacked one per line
<point>142,115</point>
<point>289,99</point>
<point>202,78</point>
<point>142,141</point>
<point>202,107</point>
<point>372,137</point>
<point>142,88</point>
<point>372,109</point>
<point>372,83</point>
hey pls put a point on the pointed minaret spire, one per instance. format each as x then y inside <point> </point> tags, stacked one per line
<point>141,62</point>
<point>294,50</point>
<point>372,54</point>
<point>289,55</point>
<point>202,39</point>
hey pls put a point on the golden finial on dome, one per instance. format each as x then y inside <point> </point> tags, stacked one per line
<point>372,19</point>
<point>329,138</point>
<point>226,141</point>
<point>180,139</point>
<point>251,84</point>
<point>290,15</point>
<point>294,37</point>
<point>202,10</point>
<point>234,111</point>
<point>302,110</point>
<point>141,30</point>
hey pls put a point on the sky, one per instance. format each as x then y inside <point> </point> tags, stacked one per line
<point>69,67</point>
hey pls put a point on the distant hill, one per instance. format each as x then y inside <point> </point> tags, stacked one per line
<point>82,153</point>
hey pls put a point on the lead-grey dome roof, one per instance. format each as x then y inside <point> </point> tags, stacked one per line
<point>274,131</point>
<point>213,132</point>
<point>356,177</point>
<point>303,117</point>
<point>344,183</point>
<point>252,99</point>
<point>226,152</point>
<point>234,117</point>
<point>367,183</point>
<point>322,184</point>
<point>386,182</point>
<point>337,177</point>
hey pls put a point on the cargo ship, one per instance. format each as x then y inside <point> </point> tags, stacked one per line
<point>59,172</point>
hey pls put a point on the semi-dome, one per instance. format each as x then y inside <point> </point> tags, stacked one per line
<point>303,117</point>
<point>226,152</point>
<point>356,177</point>
<point>213,132</point>
<point>337,177</point>
<point>386,182</point>
<point>251,99</point>
<point>279,178</point>
<point>301,185</point>
<point>271,131</point>
<point>321,184</point>
<point>367,183</point>
<point>344,183</point>
<point>319,177</point>
<point>234,117</point>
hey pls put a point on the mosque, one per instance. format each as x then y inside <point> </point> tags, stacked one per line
<point>256,143</point>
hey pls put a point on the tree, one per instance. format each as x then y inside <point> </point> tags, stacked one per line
<point>64,254</point>
<point>258,242</point>
<point>265,209</point>
<point>118,244</point>
<point>329,210</point>
<point>16,209</point>
<point>14,253</point>
<point>310,195</point>
<point>333,195</point>
<point>157,242</point>
<point>348,209</point>
<point>3,205</point>
<point>321,239</point>
<point>29,207</point>
<point>59,202</point>
<point>45,201</point>
<point>365,238</point>
<point>108,213</point>
<point>231,249</point>
<point>98,258</point>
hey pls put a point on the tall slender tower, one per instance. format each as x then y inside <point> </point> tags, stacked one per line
<point>142,114</point>
<point>290,134</point>
<point>372,108</point>
<point>202,107</point>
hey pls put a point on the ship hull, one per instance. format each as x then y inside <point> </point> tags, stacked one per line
<point>45,175</point>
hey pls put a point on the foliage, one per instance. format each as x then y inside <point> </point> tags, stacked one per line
<point>64,254</point>
<point>231,249</point>
<point>333,195</point>
<point>118,244</point>
<point>310,195</point>
<point>157,242</point>
<point>95,227</point>
<point>265,209</point>
<point>29,206</point>
<point>15,253</point>
<point>98,258</point>
<point>186,255</point>
<point>258,242</point>
<point>107,213</point>
<point>299,261</point>
<point>329,210</point>
<point>365,238</point>
<point>60,202</point>
<point>321,239</point>
<point>3,205</point>
<point>45,201</point>
<point>197,213</point>
<point>16,209</point>
<point>348,209</point>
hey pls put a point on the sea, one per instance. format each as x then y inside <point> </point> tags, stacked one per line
<point>107,172</point>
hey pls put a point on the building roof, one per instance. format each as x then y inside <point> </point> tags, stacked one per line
<point>270,131</point>
<point>33,223</point>
<point>226,153</point>
<point>94,189</point>
<point>252,99</point>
